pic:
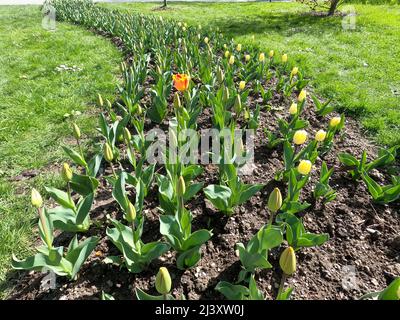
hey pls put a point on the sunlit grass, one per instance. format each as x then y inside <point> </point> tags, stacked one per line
<point>33,100</point>
<point>358,68</point>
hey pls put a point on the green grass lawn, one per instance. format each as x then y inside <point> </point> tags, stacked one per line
<point>358,68</point>
<point>33,100</point>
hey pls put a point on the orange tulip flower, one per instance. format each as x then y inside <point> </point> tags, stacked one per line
<point>181,81</point>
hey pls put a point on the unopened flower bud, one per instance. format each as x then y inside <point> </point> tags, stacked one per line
<point>225,95</point>
<point>227,53</point>
<point>242,85</point>
<point>284,58</point>
<point>287,261</point>
<point>261,57</point>
<point>100,100</point>
<point>275,200</point>
<point>131,214</point>
<point>293,108</point>
<point>107,151</point>
<point>177,101</point>
<point>76,131</point>
<point>295,70</point>
<point>302,95</point>
<point>238,105</point>
<point>247,57</point>
<point>109,105</point>
<point>239,47</point>
<point>220,75</point>
<point>66,172</point>
<point>335,121</point>
<point>127,135</point>
<point>180,187</point>
<point>232,59</point>
<point>36,198</point>
<point>163,281</point>
<point>206,40</point>
<point>271,53</point>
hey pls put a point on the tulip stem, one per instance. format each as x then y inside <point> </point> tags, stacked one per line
<point>69,192</point>
<point>133,233</point>
<point>80,148</point>
<point>181,206</point>
<point>113,171</point>
<point>44,227</point>
<point>271,218</point>
<point>283,279</point>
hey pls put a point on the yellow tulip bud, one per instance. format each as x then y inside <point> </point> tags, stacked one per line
<point>227,53</point>
<point>284,58</point>
<point>335,121</point>
<point>107,151</point>
<point>36,198</point>
<point>66,172</point>
<point>300,136</point>
<point>261,57</point>
<point>320,135</point>
<point>247,57</point>
<point>100,100</point>
<point>183,29</point>
<point>304,167</point>
<point>239,47</point>
<point>127,135</point>
<point>225,46</point>
<point>302,95</point>
<point>293,108</point>
<point>163,281</point>
<point>76,131</point>
<point>275,200</point>
<point>242,85</point>
<point>179,24</point>
<point>139,110</point>
<point>199,26</point>
<point>185,24</point>
<point>232,59</point>
<point>206,40</point>
<point>287,261</point>
<point>177,101</point>
<point>131,214</point>
<point>271,53</point>
<point>180,187</point>
<point>295,70</point>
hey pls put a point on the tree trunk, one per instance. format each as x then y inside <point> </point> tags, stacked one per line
<point>165,4</point>
<point>332,9</point>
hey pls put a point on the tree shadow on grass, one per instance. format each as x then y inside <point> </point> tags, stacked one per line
<point>287,24</point>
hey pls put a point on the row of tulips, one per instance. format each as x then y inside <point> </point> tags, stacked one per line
<point>177,72</point>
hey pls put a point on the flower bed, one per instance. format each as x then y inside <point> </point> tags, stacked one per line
<point>287,206</point>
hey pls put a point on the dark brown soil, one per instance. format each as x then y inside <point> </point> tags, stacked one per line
<point>363,235</point>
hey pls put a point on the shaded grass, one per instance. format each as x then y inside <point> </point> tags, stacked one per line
<point>33,100</point>
<point>358,68</point>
